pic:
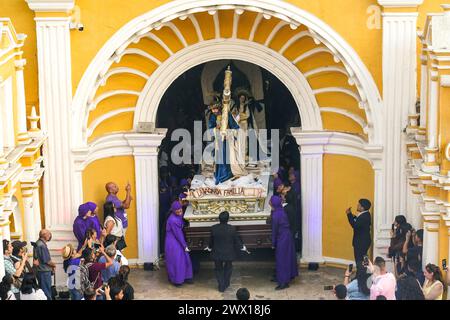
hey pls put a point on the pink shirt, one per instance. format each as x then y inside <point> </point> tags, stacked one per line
<point>383,285</point>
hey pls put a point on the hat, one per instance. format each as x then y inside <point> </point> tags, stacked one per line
<point>276,183</point>
<point>182,195</point>
<point>176,205</point>
<point>67,252</point>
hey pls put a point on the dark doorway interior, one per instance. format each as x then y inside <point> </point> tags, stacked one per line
<point>182,104</point>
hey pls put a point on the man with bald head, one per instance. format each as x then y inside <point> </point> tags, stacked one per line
<point>113,190</point>
<point>43,262</point>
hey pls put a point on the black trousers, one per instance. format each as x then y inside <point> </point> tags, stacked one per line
<point>360,252</point>
<point>223,270</point>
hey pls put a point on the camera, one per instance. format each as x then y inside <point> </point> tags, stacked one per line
<point>96,246</point>
<point>350,267</point>
<point>78,26</point>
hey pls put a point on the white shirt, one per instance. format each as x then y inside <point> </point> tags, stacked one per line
<point>10,296</point>
<point>36,295</point>
<point>117,230</point>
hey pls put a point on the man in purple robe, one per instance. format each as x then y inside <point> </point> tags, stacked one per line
<point>178,261</point>
<point>87,219</point>
<point>283,243</point>
<point>112,190</point>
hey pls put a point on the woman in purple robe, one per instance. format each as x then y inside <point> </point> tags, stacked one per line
<point>87,219</point>
<point>277,186</point>
<point>283,243</point>
<point>178,261</point>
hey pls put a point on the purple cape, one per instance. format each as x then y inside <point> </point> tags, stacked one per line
<point>283,241</point>
<point>81,225</point>
<point>178,261</point>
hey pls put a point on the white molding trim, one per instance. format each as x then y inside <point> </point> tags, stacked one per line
<point>196,25</point>
<point>310,53</point>
<point>183,60</point>
<point>109,94</point>
<point>326,69</point>
<point>400,3</point>
<point>294,39</point>
<point>255,26</point>
<point>215,15</point>
<point>360,121</point>
<point>338,261</point>
<point>339,90</point>
<point>139,52</point>
<point>268,8</point>
<point>124,70</point>
<point>158,40</point>
<point>51,5</point>
<point>274,32</point>
<point>105,117</point>
<point>177,32</point>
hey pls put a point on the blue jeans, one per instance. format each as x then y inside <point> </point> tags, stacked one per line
<point>75,294</point>
<point>45,282</point>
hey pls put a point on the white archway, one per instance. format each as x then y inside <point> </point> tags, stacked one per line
<point>289,14</point>
<point>314,142</point>
<point>283,69</point>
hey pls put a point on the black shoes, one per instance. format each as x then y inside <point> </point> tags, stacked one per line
<point>282,286</point>
<point>189,281</point>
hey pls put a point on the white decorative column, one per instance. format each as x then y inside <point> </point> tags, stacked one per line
<point>311,164</point>
<point>27,196</point>
<point>22,137</point>
<point>55,96</point>
<point>432,149</point>
<point>430,238</point>
<point>145,151</point>
<point>399,96</point>
<point>423,90</point>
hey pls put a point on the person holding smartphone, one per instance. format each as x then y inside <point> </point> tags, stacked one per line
<point>357,289</point>
<point>360,222</point>
<point>112,270</point>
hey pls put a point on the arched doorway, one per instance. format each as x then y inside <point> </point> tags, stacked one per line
<point>143,144</point>
<point>186,102</point>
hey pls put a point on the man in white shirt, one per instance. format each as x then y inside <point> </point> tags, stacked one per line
<point>383,282</point>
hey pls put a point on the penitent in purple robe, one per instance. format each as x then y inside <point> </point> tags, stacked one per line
<point>83,223</point>
<point>178,261</point>
<point>283,241</point>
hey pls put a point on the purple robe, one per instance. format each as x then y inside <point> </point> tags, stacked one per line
<point>120,212</point>
<point>178,261</point>
<point>83,223</point>
<point>283,241</point>
<point>276,183</point>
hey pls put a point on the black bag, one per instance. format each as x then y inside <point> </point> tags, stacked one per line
<point>54,291</point>
<point>121,244</point>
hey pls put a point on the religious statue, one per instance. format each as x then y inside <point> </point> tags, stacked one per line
<point>226,132</point>
<point>243,112</point>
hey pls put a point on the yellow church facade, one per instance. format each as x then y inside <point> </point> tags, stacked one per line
<point>96,71</point>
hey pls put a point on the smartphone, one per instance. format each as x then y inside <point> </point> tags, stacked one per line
<point>96,246</point>
<point>118,258</point>
<point>350,267</point>
<point>444,264</point>
<point>328,288</point>
<point>366,260</point>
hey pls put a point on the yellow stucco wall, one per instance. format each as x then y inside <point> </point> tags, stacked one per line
<point>346,180</point>
<point>119,170</point>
